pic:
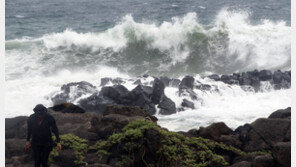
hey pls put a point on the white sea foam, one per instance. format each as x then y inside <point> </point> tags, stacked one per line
<point>231,104</point>
<point>179,46</point>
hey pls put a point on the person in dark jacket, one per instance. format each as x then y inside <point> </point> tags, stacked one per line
<point>40,126</point>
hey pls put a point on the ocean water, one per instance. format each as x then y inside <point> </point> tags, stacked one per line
<point>51,43</point>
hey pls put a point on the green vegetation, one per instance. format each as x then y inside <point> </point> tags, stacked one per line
<point>133,147</point>
<point>70,141</point>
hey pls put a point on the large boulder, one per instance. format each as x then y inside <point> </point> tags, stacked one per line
<point>72,91</point>
<point>282,113</point>
<point>186,83</point>
<point>167,106</point>
<point>265,132</point>
<point>67,108</point>
<point>118,94</point>
<point>165,80</point>
<point>214,77</point>
<point>74,123</point>
<point>115,118</point>
<point>264,161</point>
<point>250,78</point>
<point>265,75</point>
<point>105,81</point>
<point>254,73</point>
<point>16,127</point>
<point>187,103</point>
<point>214,131</point>
<point>244,79</point>
<point>95,103</point>
<point>140,96</point>
<point>282,153</point>
<point>277,77</point>
<point>229,79</point>
<point>115,93</point>
<point>158,90</point>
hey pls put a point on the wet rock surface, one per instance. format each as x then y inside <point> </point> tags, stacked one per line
<point>279,79</point>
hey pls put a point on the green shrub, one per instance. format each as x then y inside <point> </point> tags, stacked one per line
<point>70,141</point>
<point>174,149</point>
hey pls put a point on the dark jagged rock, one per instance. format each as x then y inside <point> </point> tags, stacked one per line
<point>138,82</point>
<point>81,88</point>
<point>245,79</point>
<point>74,123</point>
<point>188,104</point>
<point>231,139</point>
<point>283,113</point>
<point>264,160</point>
<point>281,80</point>
<point>254,73</point>
<point>140,96</point>
<point>104,81</point>
<point>115,118</point>
<point>282,154</point>
<point>229,79</point>
<point>117,81</point>
<point>67,108</point>
<point>95,103</point>
<point>251,79</point>
<point>115,92</point>
<point>165,80</point>
<point>118,94</point>
<point>167,106</point>
<point>255,83</point>
<point>265,75</point>
<point>60,98</point>
<point>14,147</point>
<point>277,77</point>
<point>140,89</point>
<point>214,77</point>
<point>235,76</point>
<point>264,132</point>
<point>145,75</point>
<point>186,83</point>
<point>16,127</point>
<point>287,76</point>
<point>158,91</point>
<point>214,131</point>
<point>174,83</point>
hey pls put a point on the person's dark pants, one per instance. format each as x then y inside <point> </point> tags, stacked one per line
<point>41,153</point>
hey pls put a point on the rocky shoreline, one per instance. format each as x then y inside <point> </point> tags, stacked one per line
<point>114,126</point>
<point>150,95</point>
<point>105,138</point>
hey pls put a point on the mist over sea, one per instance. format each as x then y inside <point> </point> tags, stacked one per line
<point>51,43</point>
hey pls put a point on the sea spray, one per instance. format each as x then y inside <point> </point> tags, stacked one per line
<point>176,48</point>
